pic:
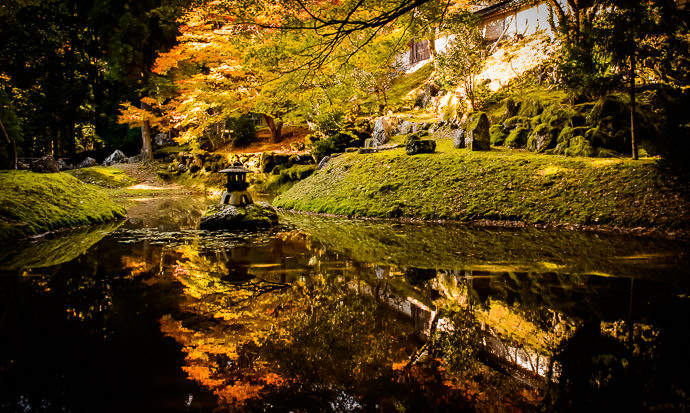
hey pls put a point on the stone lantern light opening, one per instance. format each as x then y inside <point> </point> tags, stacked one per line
<point>236,187</point>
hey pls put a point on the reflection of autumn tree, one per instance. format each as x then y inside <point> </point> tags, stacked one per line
<point>318,338</point>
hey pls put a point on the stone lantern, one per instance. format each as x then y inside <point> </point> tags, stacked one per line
<point>236,188</point>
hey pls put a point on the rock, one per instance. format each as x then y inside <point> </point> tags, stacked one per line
<point>510,109</point>
<point>407,127</point>
<point>134,159</point>
<point>431,89</point>
<point>116,157</point>
<point>253,216</point>
<point>371,143</point>
<point>497,135</point>
<point>323,162</point>
<point>515,122</point>
<point>459,138</point>
<point>517,138</point>
<point>541,139</point>
<point>64,166</point>
<point>580,146</point>
<point>267,162</point>
<point>46,164</point>
<point>87,163</point>
<point>477,132</point>
<point>415,145</point>
<point>163,139</point>
<point>367,150</point>
<point>182,168</point>
<point>382,130</point>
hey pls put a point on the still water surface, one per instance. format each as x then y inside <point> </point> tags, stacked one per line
<point>321,314</point>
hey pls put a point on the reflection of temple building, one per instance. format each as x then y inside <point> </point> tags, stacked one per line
<point>528,365</point>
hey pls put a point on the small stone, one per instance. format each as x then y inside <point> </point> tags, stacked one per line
<point>459,138</point>
<point>87,163</point>
<point>407,127</point>
<point>323,162</point>
<point>64,166</point>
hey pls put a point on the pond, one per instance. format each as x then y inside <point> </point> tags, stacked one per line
<point>326,314</point>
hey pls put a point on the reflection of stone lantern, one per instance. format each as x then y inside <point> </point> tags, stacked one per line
<point>236,187</point>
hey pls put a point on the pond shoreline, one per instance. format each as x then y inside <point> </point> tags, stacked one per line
<point>680,235</point>
<point>499,188</point>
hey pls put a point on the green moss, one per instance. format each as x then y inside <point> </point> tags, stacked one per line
<point>530,107</point>
<point>500,184</point>
<point>497,135</point>
<point>283,178</point>
<point>580,146</point>
<point>517,138</point>
<point>170,150</point>
<point>474,119</point>
<point>104,176</point>
<point>402,85</point>
<point>33,203</point>
<point>434,246</point>
<point>53,251</point>
<point>514,122</point>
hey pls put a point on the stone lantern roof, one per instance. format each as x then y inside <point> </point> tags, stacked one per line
<point>236,168</point>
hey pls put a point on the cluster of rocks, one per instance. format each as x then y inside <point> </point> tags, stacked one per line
<point>271,162</point>
<point>598,128</point>
<point>48,164</point>
<point>202,161</point>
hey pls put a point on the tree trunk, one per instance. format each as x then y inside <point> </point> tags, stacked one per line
<point>633,139</point>
<point>146,147</point>
<point>13,147</point>
<point>275,127</point>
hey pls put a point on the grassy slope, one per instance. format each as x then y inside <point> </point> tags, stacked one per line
<point>103,176</point>
<point>496,185</point>
<point>32,203</point>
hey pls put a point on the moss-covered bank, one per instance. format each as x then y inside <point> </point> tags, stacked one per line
<point>32,203</point>
<point>497,185</point>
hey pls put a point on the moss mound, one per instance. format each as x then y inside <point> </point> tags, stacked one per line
<point>497,185</point>
<point>33,203</point>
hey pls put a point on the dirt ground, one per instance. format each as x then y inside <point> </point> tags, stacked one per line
<point>264,142</point>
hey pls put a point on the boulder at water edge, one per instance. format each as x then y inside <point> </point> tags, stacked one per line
<point>253,216</point>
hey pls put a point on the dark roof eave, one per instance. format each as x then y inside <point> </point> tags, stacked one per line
<point>503,6</point>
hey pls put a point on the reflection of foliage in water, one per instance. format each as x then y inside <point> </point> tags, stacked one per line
<point>448,246</point>
<point>55,249</point>
<point>321,327</point>
<point>319,337</point>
